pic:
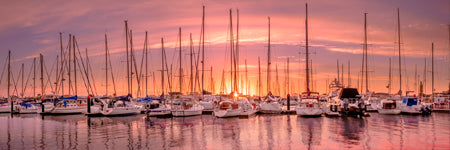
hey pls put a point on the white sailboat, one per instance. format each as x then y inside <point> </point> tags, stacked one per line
<point>270,105</point>
<point>26,107</point>
<point>5,107</point>
<point>121,105</point>
<point>309,105</point>
<point>227,108</point>
<point>64,105</point>
<point>183,107</point>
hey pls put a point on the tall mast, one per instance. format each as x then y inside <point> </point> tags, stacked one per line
<point>425,76</point>
<point>390,77</point>
<point>203,50</point>
<point>131,61</point>
<point>307,51</point>
<point>87,72</point>
<point>259,77</point>
<point>162,67</point>
<point>106,63</point>
<point>74,66</point>
<point>231,52</point>
<point>42,74</point>
<point>192,67</point>
<point>236,59</point>
<point>34,75</point>
<point>268,60</point>
<point>128,64</point>
<point>23,88</point>
<point>9,72</point>
<point>365,50</point>
<point>62,65</point>
<point>56,76</point>
<point>70,47</point>
<point>146,64</point>
<point>181,77</point>
<point>432,70</point>
<point>287,70</point>
<point>399,53</point>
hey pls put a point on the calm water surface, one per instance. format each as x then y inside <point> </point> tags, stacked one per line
<point>207,132</point>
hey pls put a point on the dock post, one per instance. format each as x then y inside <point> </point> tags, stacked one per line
<point>89,104</point>
<point>288,102</point>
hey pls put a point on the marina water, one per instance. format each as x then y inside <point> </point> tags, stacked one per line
<point>33,131</point>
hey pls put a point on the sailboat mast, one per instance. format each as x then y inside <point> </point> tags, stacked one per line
<point>231,52</point>
<point>268,60</point>
<point>192,67</point>
<point>399,53</point>
<point>9,74</point>
<point>74,66</point>
<point>365,49</point>
<point>236,59</point>
<point>162,67</point>
<point>42,74</point>
<point>23,88</point>
<point>70,50</point>
<point>390,76</point>
<point>181,77</point>
<point>146,64</point>
<point>131,61</point>
<point>106,63</point>
<point>203,51</point>
<point>259,77</point>
<point>128,63</point>
<point>62,65</point>
<point>246,78</point>
<point>307,50</point>
<point>287,71</point>
<point>432,70</point>
<point>338,74</point>
<point>34,75</point>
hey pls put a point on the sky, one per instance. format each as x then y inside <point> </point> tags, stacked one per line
<point>336,32</point>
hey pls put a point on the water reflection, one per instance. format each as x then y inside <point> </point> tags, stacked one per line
<point>33,131</point>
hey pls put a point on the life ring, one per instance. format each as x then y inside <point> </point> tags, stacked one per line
<point>147,106</point>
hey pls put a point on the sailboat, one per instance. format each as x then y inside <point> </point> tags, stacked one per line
<point>271,103</point>
<point>120,105</point>
<point>228,106</point>
<point>158,108</point>
<point>309,101</point>
<point>5,106</point>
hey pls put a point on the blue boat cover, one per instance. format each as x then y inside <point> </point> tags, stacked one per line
<point>3,102</point>
<point>70,98</point>
<point>411,101</point>
<point>145,100</point>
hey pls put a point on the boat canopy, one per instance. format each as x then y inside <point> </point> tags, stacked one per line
<point>410,101</point>
<point>70,98</point>
<point>349,93</point>
<point>123,98</point>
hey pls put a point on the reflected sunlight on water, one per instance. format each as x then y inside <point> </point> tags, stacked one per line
<point>34,131</point>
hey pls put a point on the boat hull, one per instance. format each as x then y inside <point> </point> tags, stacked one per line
<point>5,109</point>
<point>227,113</point>
<point>270,108</point>
<point>117,111</point>
<point>389,111</point>
<point>308,111</point>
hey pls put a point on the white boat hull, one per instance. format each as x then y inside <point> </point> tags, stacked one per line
<point>5,109</point>
<point>270,108</point>
<point>227,113</point>
<point>248,113</point>
<point>411,109</point>
<point>26,110</point>
<point>120,111</point>
<point>160,111</point>
<point>68,110</point>
<point>389,111</point>
<point>308,111</point>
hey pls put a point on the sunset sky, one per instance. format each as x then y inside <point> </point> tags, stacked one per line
<point>336,32</point>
